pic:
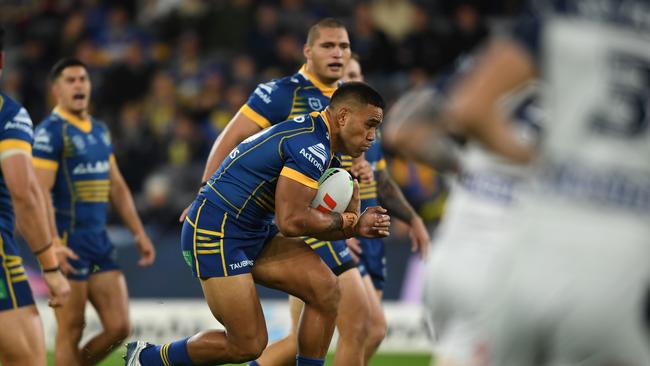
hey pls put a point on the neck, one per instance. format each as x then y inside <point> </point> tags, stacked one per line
<point>82,114</point>
<point>310,70</point>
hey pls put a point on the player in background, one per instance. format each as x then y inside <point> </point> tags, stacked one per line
<point>281,352</point>
<point>77,171</point>
<point>577,292</point>
<point>21,340</point>
<point>326,51</point>
<point>473,239</point>
<point>230,240</point>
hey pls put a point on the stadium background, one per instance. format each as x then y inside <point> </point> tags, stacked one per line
<point>169,74</point>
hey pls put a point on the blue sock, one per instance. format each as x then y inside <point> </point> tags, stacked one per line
<point>306,361</point>
<point>174,353</point>
<point>253,363</point>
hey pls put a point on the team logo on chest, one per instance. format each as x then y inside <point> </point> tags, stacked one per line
<point>79,144</point>
<point>315,104</point>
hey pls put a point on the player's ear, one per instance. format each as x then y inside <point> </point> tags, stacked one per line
<point>306,51</point>
<point>342,116</point>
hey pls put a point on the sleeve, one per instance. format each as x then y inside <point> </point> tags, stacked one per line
<point>17,135</point>
<point>527,31</point>
<point>48,144</point>
<point>269,104</point>
<point>304,160</point>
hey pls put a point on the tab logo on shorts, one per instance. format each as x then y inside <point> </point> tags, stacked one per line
<point>313,152</point>
<point>101,166</point>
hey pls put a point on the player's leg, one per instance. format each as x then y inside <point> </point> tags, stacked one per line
<point>378,324</point>
<point>107,292</point>
<point>353,320</point>
<point>283,352</point>
<point>287,264</point>
<point>70,320</point>
<point>21,340</point>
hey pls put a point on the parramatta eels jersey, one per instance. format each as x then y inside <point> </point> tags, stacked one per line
<point>244,185</point>
<point>286,98</point>
<point>81,152</point>
<point>16,136</point>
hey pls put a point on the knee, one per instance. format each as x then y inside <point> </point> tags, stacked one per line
<point>377,330</point>
<point>250,350</point>
<point>326,294</point>
<point>118,331</point>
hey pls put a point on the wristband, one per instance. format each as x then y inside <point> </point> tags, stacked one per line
<point>42,250</point>
<point>51,270</point>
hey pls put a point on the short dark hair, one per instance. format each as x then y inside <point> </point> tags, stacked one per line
<point>358,91</point>
<point>2,38</point>
<point>63,64</point>
<point>313,33</point>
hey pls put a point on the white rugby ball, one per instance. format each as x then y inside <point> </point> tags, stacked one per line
<point>335,189</point>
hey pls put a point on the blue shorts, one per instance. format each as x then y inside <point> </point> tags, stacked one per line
<point>373,261</point>
<point>215,245</point>
<point>95,250</point>
<point>14,287</point>
<point>334,253</point>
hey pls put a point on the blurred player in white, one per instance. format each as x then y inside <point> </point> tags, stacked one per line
<point>577,292</point>
<point>472,242</point>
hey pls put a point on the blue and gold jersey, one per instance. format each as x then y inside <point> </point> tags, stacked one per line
<point>286,98</point>
<point>16,136</point>
<point>80,151</point>
<point>368,190</point>
<point>244,185</point>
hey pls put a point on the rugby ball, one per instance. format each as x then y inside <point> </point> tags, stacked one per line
<point>335,189</point>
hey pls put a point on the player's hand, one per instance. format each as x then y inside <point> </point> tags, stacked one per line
<point>59,288</point>
<point>62,253</point>
<point>355,203</point>
<point>373,223</point>
<point>355,247</point>
<point>419,236</point>
<point>146,249</point>
<point>362,170</point>
<point>184,214</point>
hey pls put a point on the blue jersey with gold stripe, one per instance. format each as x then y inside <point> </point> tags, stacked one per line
<point>286,98</point>
<point>80,151</point>
<point>368,190</point>
<point>16,135</point>
<point>244,185</point>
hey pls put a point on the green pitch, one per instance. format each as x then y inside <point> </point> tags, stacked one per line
<point>385,359</point>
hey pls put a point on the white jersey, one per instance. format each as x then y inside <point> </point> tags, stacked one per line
<point>473,237</point>
<point>581,265</point>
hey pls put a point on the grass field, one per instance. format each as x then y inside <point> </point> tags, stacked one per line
<point>385,359</point>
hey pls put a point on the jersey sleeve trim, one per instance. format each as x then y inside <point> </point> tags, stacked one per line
<point>381,165</point>
<point>45,163</point>
<point>10,145</point>
<point>299,177</point>
<point>254,116</point>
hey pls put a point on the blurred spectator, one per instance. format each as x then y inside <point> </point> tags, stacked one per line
<point>261,35</point>
<point>393,17</point>
<point>187,67</point>
<point>160,105</point>
<point>371,44</point>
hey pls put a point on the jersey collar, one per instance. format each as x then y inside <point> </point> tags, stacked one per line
<point>327,122</point>
<point>326,90</point>
<point>84,125</point>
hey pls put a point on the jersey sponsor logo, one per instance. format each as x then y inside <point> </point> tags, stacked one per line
<point>21,122</point>
<point>313,152</point>
<point>242,264</point>
<point>263,91</point>
<point>315,104</point>
<point>101,166</point>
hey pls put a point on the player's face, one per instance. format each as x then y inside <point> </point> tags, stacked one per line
<point>352,71</point>
<point>360,129</point>
<point>72,89</point>
<point>329,54</point>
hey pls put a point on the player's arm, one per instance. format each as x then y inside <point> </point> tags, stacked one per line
<point>31,219</point>
<point>45,171</point>
<point>295,216</point>
<point>473,108</point>
<point>240,127</point>
<point>123,202</point>
<point>394,201</point>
